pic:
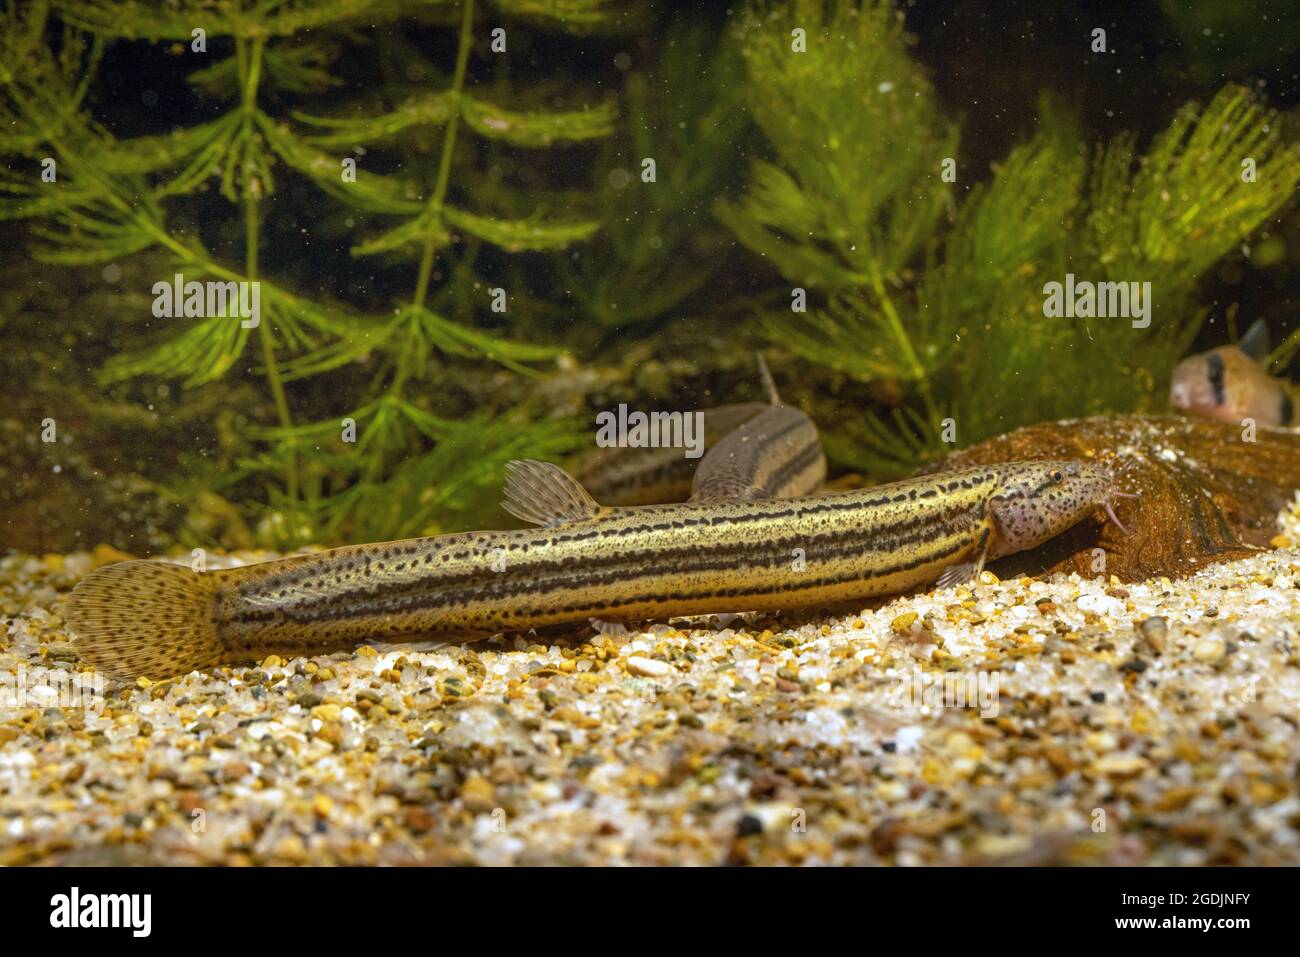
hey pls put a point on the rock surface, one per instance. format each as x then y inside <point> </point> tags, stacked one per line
<point>1207,495</point>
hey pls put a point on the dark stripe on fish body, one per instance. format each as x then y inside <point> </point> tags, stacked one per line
<point>1215,370</point>
<point>442,591</point>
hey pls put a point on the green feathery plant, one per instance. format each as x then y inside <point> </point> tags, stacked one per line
<point>851,204</point>
<point>409,470</point>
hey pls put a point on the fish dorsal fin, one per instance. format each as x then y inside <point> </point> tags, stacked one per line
<point>545,494</point>
<point>769,384</point>
<point>1255,341</point>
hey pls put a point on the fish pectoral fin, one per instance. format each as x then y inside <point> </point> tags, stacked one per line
<point>610,627</point>
<point>544,494</point>
<point>958,575</point>
<point>967,572</point>
<point>1254,342</point>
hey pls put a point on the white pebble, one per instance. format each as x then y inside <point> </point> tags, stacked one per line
<point>1100,604</point>
<point>1210,649</point>
<point>647,666</point>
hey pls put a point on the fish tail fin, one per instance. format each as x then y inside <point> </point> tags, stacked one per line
<point>146,618</point>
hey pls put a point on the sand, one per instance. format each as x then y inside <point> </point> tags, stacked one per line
<point>1065,720</point>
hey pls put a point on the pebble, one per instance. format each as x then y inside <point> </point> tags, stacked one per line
<point>478,795</point>
<point>417,819</point>
<point>648,667</point>
<point>1120,765</point>
<point>327,712</point>
<point>1154,632</point>
<point>1101,605</point>
<point>903,623</point>
<point>1209,649</point>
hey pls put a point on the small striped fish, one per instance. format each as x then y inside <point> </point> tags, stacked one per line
<point>1231,383</point>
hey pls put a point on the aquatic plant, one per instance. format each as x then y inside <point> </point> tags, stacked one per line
<point>950,315</point>
<point>385,465</point>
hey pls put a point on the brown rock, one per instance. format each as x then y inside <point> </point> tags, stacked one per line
<point>1207,496</point>
<point>418,820</point>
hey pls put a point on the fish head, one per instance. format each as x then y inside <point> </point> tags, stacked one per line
<point>1219,384</point>
<point>1037,501</point>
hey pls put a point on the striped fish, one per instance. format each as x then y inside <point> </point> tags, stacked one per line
<point>584,560</point>
<point>1231,383</point>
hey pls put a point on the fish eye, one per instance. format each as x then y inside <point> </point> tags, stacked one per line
<point>1058,476</point>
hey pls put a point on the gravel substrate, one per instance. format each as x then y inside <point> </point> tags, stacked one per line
<point>1096,723</point>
